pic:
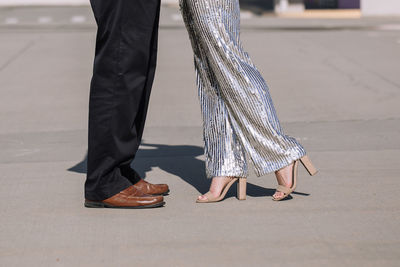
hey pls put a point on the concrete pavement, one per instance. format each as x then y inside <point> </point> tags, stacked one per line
<point>336,88</point>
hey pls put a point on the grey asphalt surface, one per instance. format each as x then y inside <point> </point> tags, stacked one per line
<point>336,87</point>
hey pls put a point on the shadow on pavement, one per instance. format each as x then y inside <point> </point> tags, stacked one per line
<point>181,161</point>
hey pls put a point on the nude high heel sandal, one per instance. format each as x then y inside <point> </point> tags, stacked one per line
<point>288,190</point>
<point>308,165</point>
<point>241,191</point>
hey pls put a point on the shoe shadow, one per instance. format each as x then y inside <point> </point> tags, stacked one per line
<point>181,161</point>
<point>252,190</point>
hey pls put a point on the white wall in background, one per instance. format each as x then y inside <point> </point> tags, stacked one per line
<point>42,2</point>
<point>380,7</point>
<point>56,2</point>
<point>368,7</point>
<point>283,6</point>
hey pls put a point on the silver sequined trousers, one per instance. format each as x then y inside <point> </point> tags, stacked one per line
<point>239,119</point>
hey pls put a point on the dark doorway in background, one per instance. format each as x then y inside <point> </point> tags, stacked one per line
<point>257,6</point>
<point>353,4</point>
<point>321,4</point>
<point>332,4</point>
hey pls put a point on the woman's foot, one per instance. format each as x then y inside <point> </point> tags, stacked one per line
<point>284,177</point>
<point>217,185</point>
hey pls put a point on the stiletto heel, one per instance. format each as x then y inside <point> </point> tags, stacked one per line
<point>308,165</point>
<point>288,190</point>
<point>241,189</point>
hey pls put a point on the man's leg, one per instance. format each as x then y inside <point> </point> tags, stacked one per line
<point>123,72</point>
<point>140,119</point>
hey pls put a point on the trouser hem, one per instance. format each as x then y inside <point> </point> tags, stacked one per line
<point>100,195</point>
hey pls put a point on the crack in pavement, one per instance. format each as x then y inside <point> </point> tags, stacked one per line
<point>17,55</point>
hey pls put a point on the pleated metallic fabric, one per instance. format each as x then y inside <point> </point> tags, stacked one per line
<point>239,119</point>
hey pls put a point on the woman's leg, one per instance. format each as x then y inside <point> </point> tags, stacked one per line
<point>214,29</point>
<point>223,152</point>
<point>224,156</point>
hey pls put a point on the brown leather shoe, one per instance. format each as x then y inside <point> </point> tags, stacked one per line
<point>130,198</point>
<point>152,189</point>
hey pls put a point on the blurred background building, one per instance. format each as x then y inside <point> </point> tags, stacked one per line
<point>365,7</point>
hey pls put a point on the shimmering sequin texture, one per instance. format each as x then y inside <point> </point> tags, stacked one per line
<point>239,118</point>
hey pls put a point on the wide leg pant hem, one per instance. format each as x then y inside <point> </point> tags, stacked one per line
<point>211,175</point>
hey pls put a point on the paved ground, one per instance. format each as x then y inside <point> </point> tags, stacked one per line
<point>336,86</point>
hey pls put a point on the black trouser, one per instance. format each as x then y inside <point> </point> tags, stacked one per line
<point>124,67</point>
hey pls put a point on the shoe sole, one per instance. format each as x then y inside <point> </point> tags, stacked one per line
<point>100,205</point>
<point>161,194</point>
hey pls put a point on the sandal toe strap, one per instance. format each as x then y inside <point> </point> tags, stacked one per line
<point>283,189</point>
<point>209,196</point>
